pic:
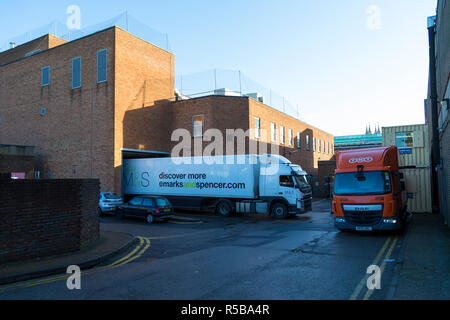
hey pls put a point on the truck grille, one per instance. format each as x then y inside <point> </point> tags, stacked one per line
<point>307,202</point>
<point>363,218</point>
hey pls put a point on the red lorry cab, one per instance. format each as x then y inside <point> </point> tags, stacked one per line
<point>368,190</point>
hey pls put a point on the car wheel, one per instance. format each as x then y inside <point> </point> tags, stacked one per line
<point>224,208</point>
<point>150,219</point>
<point>279,211</point>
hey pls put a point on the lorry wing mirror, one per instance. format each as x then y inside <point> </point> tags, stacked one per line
<point>402,186</point>
<point>402,176</point>
<point>360,175</point>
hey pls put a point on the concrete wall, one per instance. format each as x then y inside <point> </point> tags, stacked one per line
<point>40,218</point>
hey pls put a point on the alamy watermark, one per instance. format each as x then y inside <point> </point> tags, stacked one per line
<point>74,281</point>
<point>374,281</point>
<point>374,17</point>
<point>74,20</point>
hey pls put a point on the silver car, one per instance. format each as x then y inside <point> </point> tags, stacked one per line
<point>108,202</point>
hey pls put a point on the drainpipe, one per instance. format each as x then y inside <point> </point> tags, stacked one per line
<point>435,152</point>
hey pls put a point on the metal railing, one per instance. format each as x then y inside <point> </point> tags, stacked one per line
<point>232,83</point>
<point>124,21</point>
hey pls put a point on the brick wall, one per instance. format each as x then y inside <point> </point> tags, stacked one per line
<point>326,168</point>
<point>14,163</point>
<point>308,159</point>
<point>74,139</point>
<point>144,86</point>
<point>40,218</point>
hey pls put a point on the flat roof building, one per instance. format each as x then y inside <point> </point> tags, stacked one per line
<point>87,104</point>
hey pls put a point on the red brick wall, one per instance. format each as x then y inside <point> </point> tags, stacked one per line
<point>17,163</point>
<point>40,218</point>
<point>307,159</point>
<point>239,113</point>
<point>74,139</point>
<point>144,85</point>
<point>326,168</point>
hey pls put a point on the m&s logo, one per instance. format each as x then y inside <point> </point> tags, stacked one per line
<point>360,160</point>
<point>135,178</point>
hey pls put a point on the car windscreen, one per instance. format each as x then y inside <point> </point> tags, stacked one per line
<point>161,202</point>
<point>363,183</point>
<point>112,196</point>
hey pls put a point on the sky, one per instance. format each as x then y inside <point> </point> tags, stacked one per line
<point>346,63</point>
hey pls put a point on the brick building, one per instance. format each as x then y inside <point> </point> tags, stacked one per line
<point>87,104</point>
<point>440,28</point>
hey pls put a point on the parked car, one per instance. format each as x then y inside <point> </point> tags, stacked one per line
<point>108,202</point>
<point>151,208</point>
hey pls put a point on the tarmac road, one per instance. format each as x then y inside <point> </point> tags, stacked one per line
<point>251,257</point>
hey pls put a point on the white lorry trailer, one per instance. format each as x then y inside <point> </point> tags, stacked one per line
<point>268,184</point>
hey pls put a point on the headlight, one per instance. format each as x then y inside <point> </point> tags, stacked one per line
<point>390,220</point>
<point>340,220</point>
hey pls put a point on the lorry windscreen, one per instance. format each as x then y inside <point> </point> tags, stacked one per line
<point>301,180</point>
<point>364,183</point>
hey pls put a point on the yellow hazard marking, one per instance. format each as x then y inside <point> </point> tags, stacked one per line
<point>383,265</point>
<point>133,255</point>
<point>363,281</point>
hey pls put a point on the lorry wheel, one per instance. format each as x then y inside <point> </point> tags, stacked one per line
<point>224,208</point>
<point>279,211</point>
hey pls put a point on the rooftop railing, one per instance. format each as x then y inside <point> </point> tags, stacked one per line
<point>123,21</point>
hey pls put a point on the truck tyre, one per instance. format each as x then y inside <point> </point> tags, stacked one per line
<point>224,208</point>
<point>279,211</point>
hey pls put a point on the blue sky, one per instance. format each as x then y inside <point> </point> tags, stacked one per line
<point>322,54</point>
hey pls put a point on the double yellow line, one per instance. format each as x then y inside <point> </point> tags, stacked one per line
<point>144,244</point>
<point>376,261</point>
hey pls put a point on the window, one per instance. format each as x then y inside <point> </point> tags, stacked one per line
<point>76,73</point>
<point>148,203</point>
<point>323,147</point>
<point>366,183</point>
<point>320,145</point>
<point>197,126</point>
<point>257,128</point>
<point>135,202</point>
<point>314,144</point>
<point>281,135</point>
<point>299,143</point>
<point>161,202</point>
<point>286,181</point>
<point>328,148</point>
<point>45,76</point>
<point>308,145</point>
<point>273,132</point>
<point>290,137</point>
<point>102,65</point>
